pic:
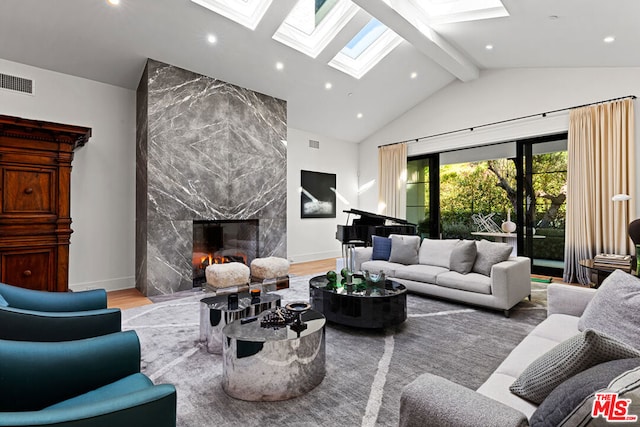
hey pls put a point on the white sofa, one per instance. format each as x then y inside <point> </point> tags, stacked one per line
<point>508,283</point>
<point>429,397</point>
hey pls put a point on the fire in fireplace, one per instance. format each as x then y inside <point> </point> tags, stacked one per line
<point>220,241</point>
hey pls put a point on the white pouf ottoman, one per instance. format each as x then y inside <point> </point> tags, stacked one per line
<point>270,270</point>
<point>227,275</point>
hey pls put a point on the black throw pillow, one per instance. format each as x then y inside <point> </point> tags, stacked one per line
<point>564,398</point>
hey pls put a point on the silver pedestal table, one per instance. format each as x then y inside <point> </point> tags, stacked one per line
<point>215,314</point>
<point>267,364</point>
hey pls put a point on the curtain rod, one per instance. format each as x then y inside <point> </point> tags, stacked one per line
<point>409,141</point>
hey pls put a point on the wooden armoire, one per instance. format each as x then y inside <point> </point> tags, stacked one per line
<point>35,221</point>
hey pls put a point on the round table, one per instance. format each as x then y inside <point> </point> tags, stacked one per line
<point>268,364</point>
<point>215,314</point>
<point>359,306</point>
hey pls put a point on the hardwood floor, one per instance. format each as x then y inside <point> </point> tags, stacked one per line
<point>129,298</point>
<point>126,298</point>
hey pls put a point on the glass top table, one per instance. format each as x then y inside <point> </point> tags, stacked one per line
<point>359,305</point>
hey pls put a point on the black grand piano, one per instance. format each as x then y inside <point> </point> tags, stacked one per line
<point>370,224</point>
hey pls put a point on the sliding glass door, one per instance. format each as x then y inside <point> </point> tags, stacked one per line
<point>469,193</point>
<point>542,194</point>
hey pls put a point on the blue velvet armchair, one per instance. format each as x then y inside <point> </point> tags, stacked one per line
<point>28,315</point>
<point>89,382</point>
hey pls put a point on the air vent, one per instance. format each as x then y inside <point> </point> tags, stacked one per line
<point>314,144</point>
<point>17,84</point>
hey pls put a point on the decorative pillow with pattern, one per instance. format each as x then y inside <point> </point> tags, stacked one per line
<point>625,387</point>
<point>566,360</point>
<point>571,393</point>
<point>381,248</point>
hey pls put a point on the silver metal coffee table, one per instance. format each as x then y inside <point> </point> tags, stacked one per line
<point>267,364</point>
<point>215,314</point>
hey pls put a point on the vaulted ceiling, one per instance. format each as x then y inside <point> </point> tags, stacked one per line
<point>436,45</point>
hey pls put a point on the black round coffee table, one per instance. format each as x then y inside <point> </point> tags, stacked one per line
<point>359,305</point>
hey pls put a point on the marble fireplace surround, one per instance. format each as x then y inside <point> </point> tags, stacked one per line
<point>205,150</point>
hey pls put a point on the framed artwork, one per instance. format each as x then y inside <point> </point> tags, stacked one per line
<point>317,195</point>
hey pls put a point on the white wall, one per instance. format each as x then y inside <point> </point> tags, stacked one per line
<point>314,238</point>
<point>499,95</point>
<point>102,251</point>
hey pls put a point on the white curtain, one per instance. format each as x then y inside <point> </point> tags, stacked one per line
<point>392,180</point>
<point>600,165</point>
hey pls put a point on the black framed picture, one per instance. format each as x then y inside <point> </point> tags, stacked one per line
<point>317,195</point>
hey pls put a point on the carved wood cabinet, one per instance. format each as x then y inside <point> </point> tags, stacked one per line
<point>35,221</point>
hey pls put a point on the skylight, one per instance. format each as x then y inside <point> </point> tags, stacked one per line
<point>366,49</point>
<point>245,12</point>
<point>364,38</point>
<point>312,24</point>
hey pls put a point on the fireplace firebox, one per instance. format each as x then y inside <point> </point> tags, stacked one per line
<point>220,241</point>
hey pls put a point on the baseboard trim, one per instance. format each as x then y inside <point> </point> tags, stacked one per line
<point>107,284</point>
<point>314,256</point>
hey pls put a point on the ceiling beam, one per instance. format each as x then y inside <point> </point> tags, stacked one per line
<point>410,23</point>
<point>274,17</point>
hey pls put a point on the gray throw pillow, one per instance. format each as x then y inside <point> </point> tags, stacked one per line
<point>568,395</point>
<point>463,256</point>
<point>490,253</point>
<point>404,249</point>
<point>615,309</point>
<point>566,360</point>
<point>626,386</point>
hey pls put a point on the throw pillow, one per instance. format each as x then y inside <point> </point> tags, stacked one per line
<point>490,253</point>
<point>566,360</point>
<point>436,252</point>
<point>614,309</point>
<point>381,248</point>
<point>626,386</point>
<point>3,302</point>
<point>404,249</point>
<point>463,256</point>
<point>568,395</point>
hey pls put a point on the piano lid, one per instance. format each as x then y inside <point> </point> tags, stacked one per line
<point>373,218</point>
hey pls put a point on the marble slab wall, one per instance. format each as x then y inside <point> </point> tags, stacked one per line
<point>206,150</point>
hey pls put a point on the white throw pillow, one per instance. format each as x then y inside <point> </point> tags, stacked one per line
<point>436,252</point>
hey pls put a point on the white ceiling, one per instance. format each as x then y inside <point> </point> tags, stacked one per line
<point>91,39</point>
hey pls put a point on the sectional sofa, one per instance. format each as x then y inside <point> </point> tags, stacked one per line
<point>589,343</point>
<point>479,273</point>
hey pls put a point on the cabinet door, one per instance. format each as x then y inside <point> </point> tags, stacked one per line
<point>28,190</point>
<point>29,268</point>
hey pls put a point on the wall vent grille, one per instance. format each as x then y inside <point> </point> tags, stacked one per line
<point>314,144</point>
<point>17,84</point>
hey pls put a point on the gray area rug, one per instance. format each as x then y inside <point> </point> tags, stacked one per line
<point>366,370</point>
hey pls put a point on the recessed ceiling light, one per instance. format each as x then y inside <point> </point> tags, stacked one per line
<point>609,39</point>
<point>113,2</point>
<point>279,65</point>
<point>212,39</point>
<point>359,115</point>
<point>489,47</point>
<point>414,75</point>
<point>328,85</point>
